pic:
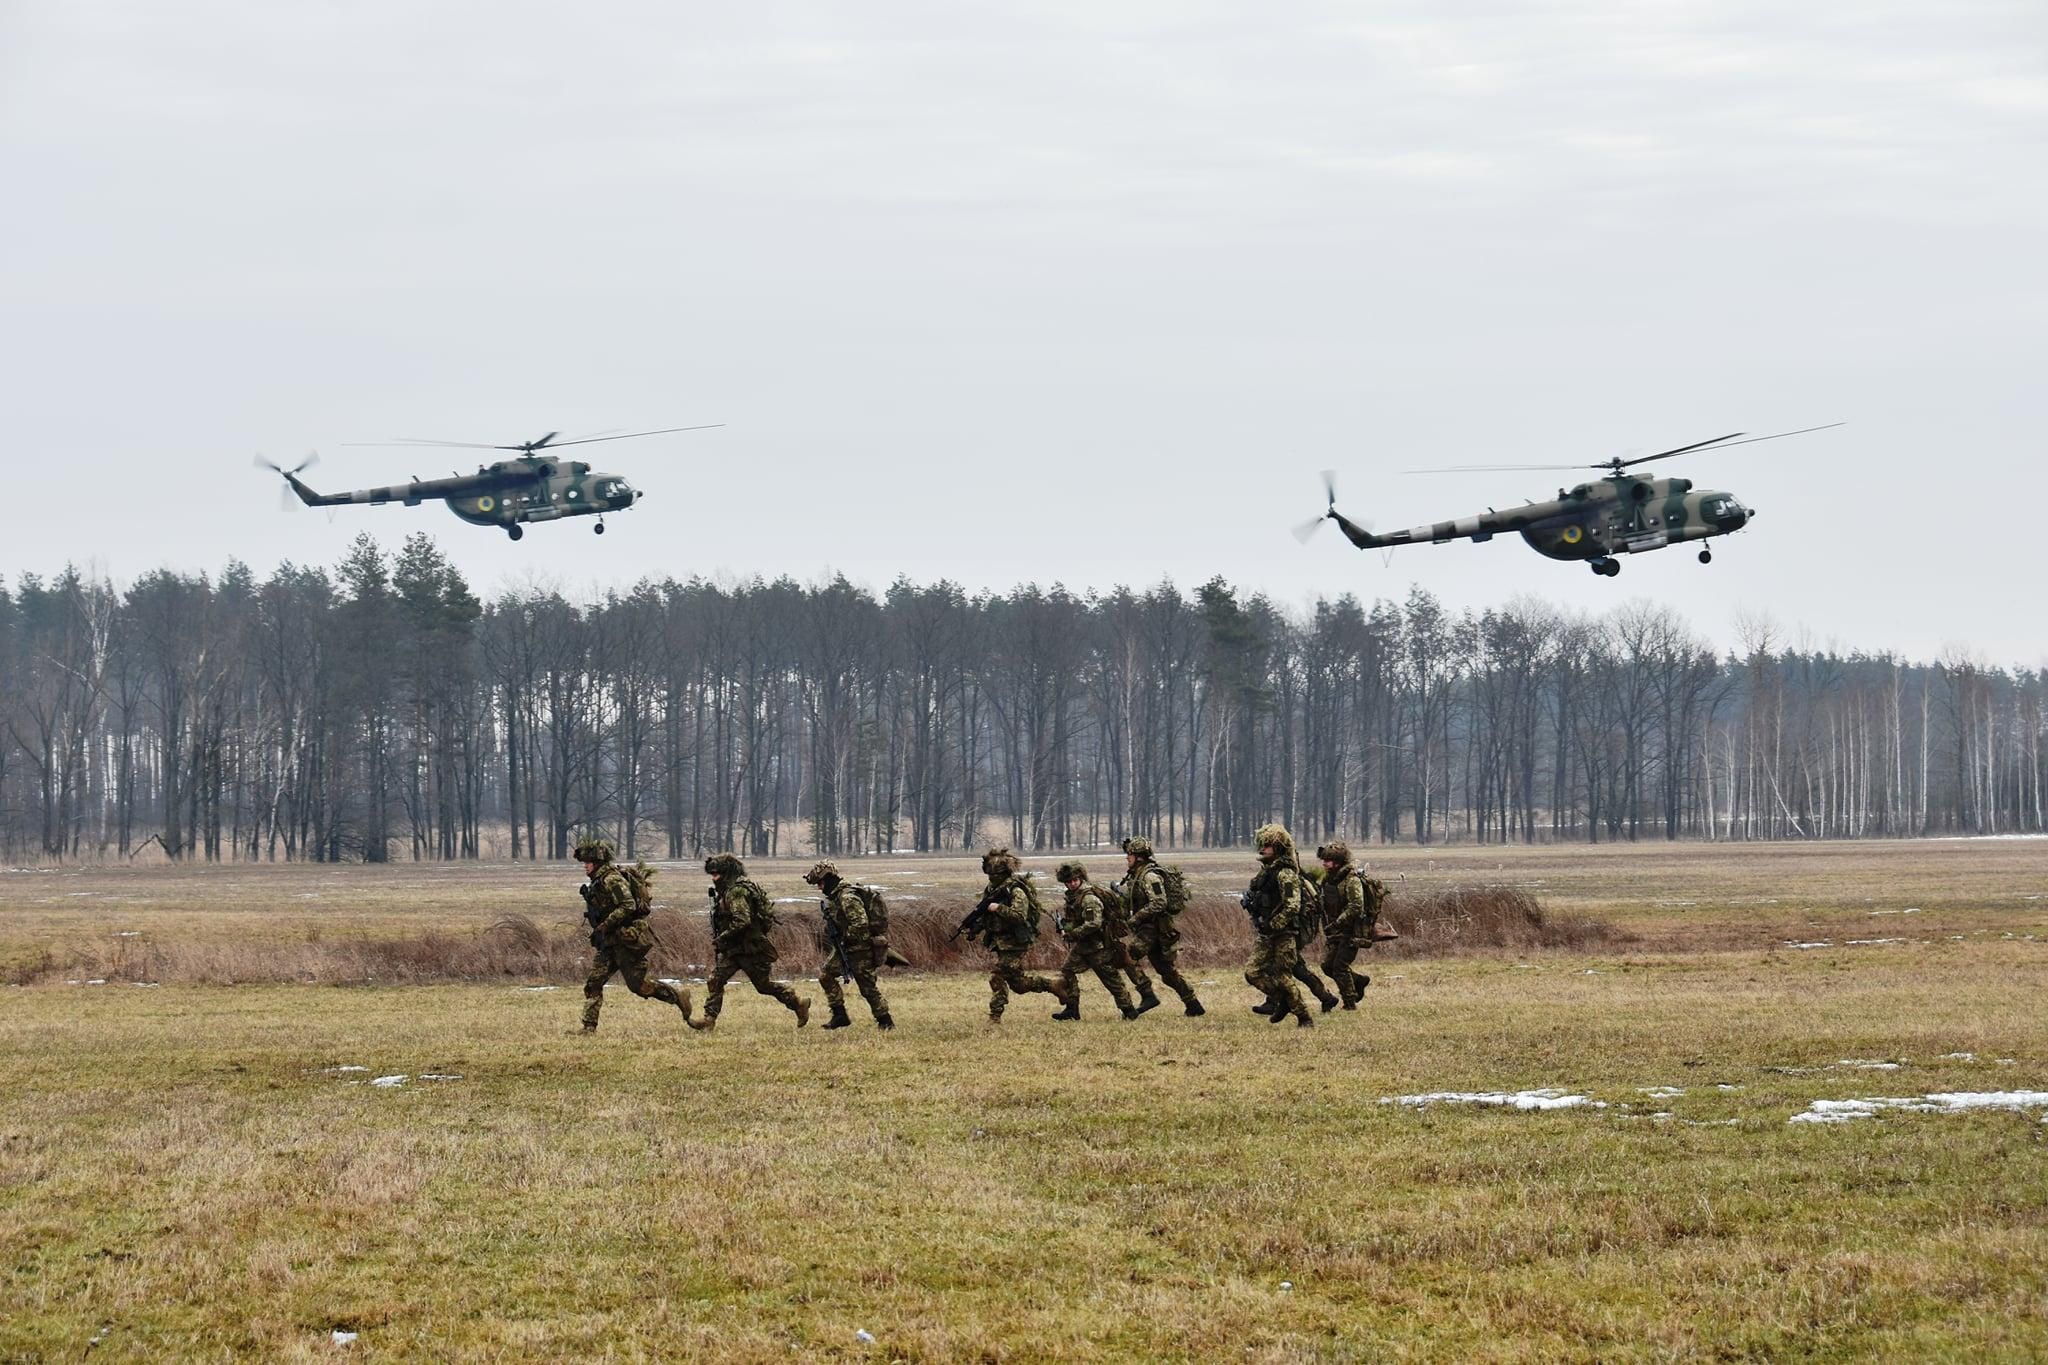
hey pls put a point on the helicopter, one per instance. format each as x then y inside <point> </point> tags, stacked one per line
<point>532,486</point>
<point>1618,514</point>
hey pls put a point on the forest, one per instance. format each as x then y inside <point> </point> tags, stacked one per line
<point>380,709</point>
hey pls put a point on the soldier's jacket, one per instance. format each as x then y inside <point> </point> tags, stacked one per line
<point>1278,885</point>
<point>1012,926</point>
<point>610,899</point>
<point>1145,889</point>
<point>739,919</point>
<point>1344,908</point>
<point>1084,920</point>
<point>846,915</point>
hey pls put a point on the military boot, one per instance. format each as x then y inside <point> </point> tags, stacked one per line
<point>683,1004</point>
<point>1302,1018</point>
<point>1263,1007</point>
<point>883,1021</point>
<point>1148,1001</point>
<point>1072,1011</point>
<point>1194,1009</point>
<point>1329,1003</point>
<point>803,1010</point>
<point>706,1024</point>
<point>1131,1012</point>
<point>839,1018</point>
<point>1280,1012</point>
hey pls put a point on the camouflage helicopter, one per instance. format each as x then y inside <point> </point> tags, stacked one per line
<point>532,486</point>
<point>1616,515</point>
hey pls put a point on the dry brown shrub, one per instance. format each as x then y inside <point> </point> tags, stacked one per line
<point>1488,918</point>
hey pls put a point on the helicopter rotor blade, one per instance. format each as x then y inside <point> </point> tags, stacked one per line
<point>1727,442</point>
<point>1308,528</point>
<point>424,441</point>
<point>590,440</point>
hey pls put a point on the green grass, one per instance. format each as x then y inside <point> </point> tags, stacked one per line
<point>183,1175</point>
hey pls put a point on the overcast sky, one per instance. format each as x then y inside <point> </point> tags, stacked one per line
<point>1085,292</point>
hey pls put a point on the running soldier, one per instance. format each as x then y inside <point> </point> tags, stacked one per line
<point>1154,931</point>
<point>1090,945</point>
<point>619,935</point>
<point>1305,932</point>
<point>1274,902</point>
<point>1351,909</point>
<point>851,945</point>
<point>1008,917</point>
<point>740,920</point>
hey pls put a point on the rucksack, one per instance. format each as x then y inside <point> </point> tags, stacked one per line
<point>765,918</point>
<point>1176,888</point>
<point>640,881</point>
<point>877,909</point>
<point>1023,880</point>
<point>1116,911</point>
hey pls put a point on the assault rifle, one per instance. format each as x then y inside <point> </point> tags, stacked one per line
<point>590,915</point>
<point>838,942</point>
<point>977,920</point>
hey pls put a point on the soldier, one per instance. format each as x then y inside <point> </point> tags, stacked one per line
<point>851,943</point>
<point>1009,926</point>
<point>1274,902</point>
<point>740,920</point>
<point>1349,908</point>
<point>1305,932</point>
<point>1154,932</point>
<point>619,935</point>
<point>1089,945</point>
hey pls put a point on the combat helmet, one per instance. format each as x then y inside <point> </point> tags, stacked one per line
<point>1277,836</point>
<point>822,872</point>
<point>1336,851</point>
<point>1070,871</point>
<point>1000,862</point>
<point>724,865</point>
<point>1138,847</point>
<point>592,851</point>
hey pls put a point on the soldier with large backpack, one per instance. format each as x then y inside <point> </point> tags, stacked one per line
<point>1090,945</point>
<point>741,918</point>
<point>615,905</point>
<point>1351,911</point>
<point>1006,917</point>
<point>1154,897</point>
<point>856,942</point>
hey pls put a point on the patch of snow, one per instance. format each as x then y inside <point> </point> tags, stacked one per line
<point>1822,944</point>
<point>337,1070</point>
<point>1958,1056</point>
<point>1946,1102</point>
<point>864,1337</point>
<point>1868,1064</point>
<point>440,1075</point>
<point>536,988</point>
<point>1872,942</point>
<point>342,1338</point>
<point>128,933</point>
<point>1724,1086</point>
<point>389,1082</point>
<point>1663,1092</point>
<point>97,981</point>
<point>1520,1099</point>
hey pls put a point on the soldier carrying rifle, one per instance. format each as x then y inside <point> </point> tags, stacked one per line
<point>615,906</point>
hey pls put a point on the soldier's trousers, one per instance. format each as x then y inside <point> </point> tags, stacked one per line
<point>1099,958</point>
<point>863,968</point>
<point>1338,955</point>
<point>1271,971</point>
<point>1009,975</point>
<point>630,964</point>
<point>755,969</point>
<point>1126,960</point>
<point>1302,972</point>
<point>1163,952</point>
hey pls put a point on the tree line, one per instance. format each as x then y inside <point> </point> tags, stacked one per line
<point>380,709</point>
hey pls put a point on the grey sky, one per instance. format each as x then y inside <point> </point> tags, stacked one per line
<point>1077,292</point>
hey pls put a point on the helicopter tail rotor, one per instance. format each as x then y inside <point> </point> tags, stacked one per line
<point>1358,535</point>
<point>291,479</point>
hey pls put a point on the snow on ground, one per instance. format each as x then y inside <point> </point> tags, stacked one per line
<point>1823,943</point>
<point>1868,1064</point>
<point>1520,1099</point>
<point>1946,1102</point>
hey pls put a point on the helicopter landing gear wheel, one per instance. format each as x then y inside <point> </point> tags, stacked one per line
<point>597,529</point>
<point>1605,567</point>
<point>515,530</point>
<point>1706,556</point>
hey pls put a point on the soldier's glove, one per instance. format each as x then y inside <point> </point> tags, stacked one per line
<point>596,939</point>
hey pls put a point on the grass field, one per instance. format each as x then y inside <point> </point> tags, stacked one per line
<point>195,1171</point>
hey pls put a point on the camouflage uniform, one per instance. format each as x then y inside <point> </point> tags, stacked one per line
<point>1305,931</point>
<point>859,950</point>
<point>1154,935</point>
<point>1009,931</point>
<point>1274,901</point>
<point>1090,945</point>
<point>739,940</point>
<point>619,937</point>
<point>1349,909</point>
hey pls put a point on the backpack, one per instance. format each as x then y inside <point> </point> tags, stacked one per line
<point>1176,888</point>
<point>1031,898</point>
<point>877,909</point>
<point>640,881</point>
<point>1116,911</point>
<point>765,918</point>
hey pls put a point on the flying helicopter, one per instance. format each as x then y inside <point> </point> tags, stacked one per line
<point>1618,514</point>
<point>531,486</point>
